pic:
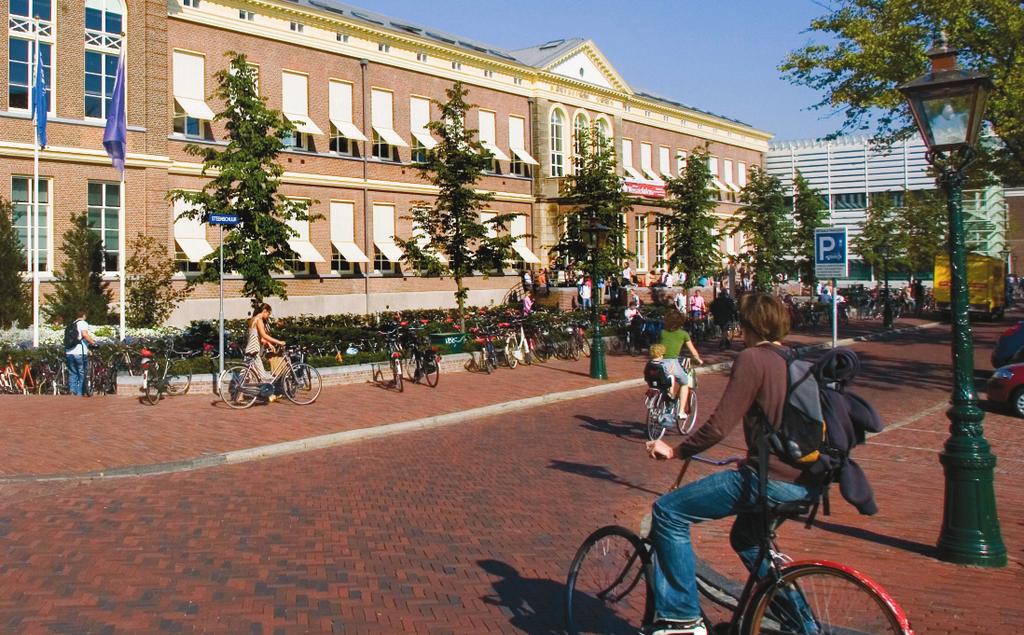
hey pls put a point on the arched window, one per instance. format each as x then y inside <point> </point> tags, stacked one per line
<point>603,130</point>
<point>557,143</point>
<point>104,23</point>
<point>21,29</point>
<point>580,130</point>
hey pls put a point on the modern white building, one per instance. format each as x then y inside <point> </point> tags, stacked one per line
<point>851,170</point>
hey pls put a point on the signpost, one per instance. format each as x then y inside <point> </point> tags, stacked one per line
<point>831,261</point>
<point>221,220</point>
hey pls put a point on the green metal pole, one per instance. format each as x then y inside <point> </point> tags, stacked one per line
<point>598,370</point>
<point>970,526</point>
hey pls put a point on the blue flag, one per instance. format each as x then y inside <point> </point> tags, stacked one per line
<point>40,104</point>
<point>115,135</point>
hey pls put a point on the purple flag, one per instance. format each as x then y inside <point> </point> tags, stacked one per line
<point>115,135</point>
<point>39,100</point>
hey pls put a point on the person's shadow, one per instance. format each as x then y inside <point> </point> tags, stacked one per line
<point>537,606</point>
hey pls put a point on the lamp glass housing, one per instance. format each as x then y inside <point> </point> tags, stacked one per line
<point>948,107</point>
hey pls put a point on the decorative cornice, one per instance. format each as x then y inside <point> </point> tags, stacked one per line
<point>80,155</point>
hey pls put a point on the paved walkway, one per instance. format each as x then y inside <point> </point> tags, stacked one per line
<point>468,529</point>
<point>63,435</point>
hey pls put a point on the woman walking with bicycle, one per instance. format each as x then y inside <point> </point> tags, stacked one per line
<point>259,334</point>
<point>758,384</point>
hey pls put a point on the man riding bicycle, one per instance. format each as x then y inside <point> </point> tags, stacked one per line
<point>758,384</point>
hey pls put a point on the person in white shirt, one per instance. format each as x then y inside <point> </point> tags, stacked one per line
<point>585,293</point>
<point>77,356</point>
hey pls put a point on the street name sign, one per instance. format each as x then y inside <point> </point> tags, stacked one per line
<point>223,219</point>
<point>830,253</point>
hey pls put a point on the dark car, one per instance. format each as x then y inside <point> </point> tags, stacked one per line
<point>1009,347</point>
<point>1007,386</point>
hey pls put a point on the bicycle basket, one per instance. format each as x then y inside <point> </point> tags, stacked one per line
<point>656,377</point>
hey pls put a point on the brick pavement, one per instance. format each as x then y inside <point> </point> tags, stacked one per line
<point>58,435</point>
<point>468,529</point>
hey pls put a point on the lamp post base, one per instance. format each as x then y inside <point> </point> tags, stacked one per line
<point>598,370</point>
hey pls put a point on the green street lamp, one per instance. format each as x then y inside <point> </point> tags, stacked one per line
<point>948,104</point>
<point>595,235</point>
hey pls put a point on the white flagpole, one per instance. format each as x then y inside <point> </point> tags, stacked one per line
<point>121,224</point>
<point>33,198</point>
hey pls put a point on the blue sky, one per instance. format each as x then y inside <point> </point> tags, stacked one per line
<point>716,56</point>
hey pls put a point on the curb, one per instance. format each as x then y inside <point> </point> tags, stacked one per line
<point>334,439</point>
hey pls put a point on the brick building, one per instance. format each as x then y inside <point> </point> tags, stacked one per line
<point>358,86</point>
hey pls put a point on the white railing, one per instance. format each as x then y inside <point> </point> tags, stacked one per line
<point>21,25</point>
<point>103,40</point>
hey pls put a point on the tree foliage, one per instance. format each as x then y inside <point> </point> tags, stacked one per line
<point>879,243</point>
<point>691,240</point>
<point>876,45</point>
<point>923,226</point>
<point>593,194</point>
<point>150,287</point>
<point>246,179</point>
<point>809,213</point>
<point>79,284</point>
<point>451,226</point>
<point>767,229</point>
<point>15,292</point>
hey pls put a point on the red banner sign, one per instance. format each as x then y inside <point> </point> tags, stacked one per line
<point>641,188</point>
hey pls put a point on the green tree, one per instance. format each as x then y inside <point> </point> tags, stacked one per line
<point>79,284</point>
<point>809,213</point>
<point>691,241</point>
<point>593,194</point>
<point>879,243</point>
<point>451,225</point>
<point>922,227</point>
<point>246,181</point>
<point>873,46</point>
<point>767,230</point>
<point>15,293</point>
<point>150,272</point>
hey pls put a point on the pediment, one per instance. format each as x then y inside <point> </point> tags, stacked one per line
<point>587,64</point>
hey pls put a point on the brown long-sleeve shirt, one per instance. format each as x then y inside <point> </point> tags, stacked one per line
<point>758,377</point>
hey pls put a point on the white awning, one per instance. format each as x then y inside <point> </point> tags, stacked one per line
<point>390,250</point>
<point>194,248</point>
<point>631,171</point>
<point>651,175</point>
<point>718,184</point>
<point>195,108</point>
<point>424,138</point>
<point>306,251</point>
<point>303,123</point>
<point>524,156</point>
<point>495,150</point>
<point>348,130</point>
<point>667,175</point>
<point>732,186</point>
<point>188,85</point>
<point>525,253</point>
<point>350,251</point>
<point>390,136</point>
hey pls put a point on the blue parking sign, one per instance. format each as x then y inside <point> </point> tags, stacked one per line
<point>830,253</point>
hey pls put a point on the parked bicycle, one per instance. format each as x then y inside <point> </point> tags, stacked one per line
<point>423,360</point>
<point>609,587</point>
<point>240,386</point>
<point>171,375</point>
<point>662,407</point>
<point>393,344</point>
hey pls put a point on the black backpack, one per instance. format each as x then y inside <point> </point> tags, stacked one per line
<point>800,437</point>
<point>71,336</point>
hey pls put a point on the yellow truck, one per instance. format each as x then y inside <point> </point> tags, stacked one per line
<point>986,285</point>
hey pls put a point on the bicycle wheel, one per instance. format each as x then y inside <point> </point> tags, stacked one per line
<point>572,349</point>
<point>238,386</point>
<point>396,374</point>
<point>179,377</point>
<point>823,598</point>
<point>150,381</point>
<point>655,416</point>
<point>686,423</point>
<point>302,385</point>
<point>608,586</point>
<point>584,345</point>
<point>430,369</point>
<point>539,350</point>
<point>510,354</point>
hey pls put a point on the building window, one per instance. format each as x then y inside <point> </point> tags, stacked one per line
<point>557,143</point>
<point>248,16</point>
<point>344,134</point>
<point>341,266</point>
<point>191,114</point>
<point>298,141</point>
<point>341,37</point>
<point>103,210</point>
<point>384,48</point>
<point>382,149</point>
<point>21,28</point>
<point>518,81</point>
<point>421,57</point>
<point>641,243</point>
<point>190,126</point>
<point>21,208</point>
<point>298,27</point>
<point>661,242</point>
<point>488,73</point>
<point>385,140</point>
<point>104,22</point>
<point>185,265</point>
<point>456,66</point>
<point>382,265</point>
<point>603,130</point>
<point>580,129</point>
<point>857,200</point>
<point>191,3</point>
<point>340,144</point>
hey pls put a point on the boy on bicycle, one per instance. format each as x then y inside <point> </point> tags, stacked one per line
<point>673,338</point>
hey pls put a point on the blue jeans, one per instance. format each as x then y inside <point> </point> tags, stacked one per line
<point>728,493</point>
<point>585,302</point>
<point>78,365</point>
